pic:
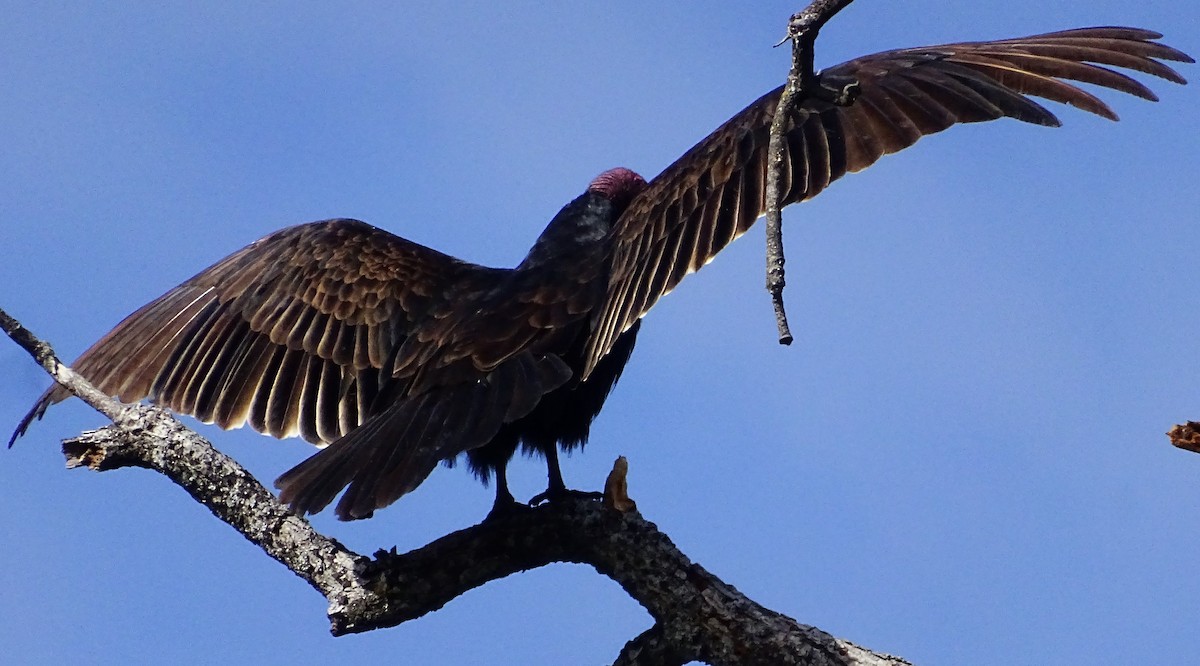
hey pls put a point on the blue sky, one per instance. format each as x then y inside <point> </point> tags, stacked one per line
<point>961,460</point>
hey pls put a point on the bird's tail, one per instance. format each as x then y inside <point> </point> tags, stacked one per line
<point>394,451</point>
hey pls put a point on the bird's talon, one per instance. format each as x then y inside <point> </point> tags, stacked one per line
<point>502,510</point>
<point>563,494</point>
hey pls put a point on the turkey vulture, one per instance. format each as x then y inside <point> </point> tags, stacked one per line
<point>394,356</point>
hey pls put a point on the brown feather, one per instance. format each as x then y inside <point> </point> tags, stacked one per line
<point>339,290</point>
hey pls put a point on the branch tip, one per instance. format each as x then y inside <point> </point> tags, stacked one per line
<point>1186,436</point>
<point>802,83</point>
<point>616,489</point>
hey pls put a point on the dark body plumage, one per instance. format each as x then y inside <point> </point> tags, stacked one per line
<point>398,356</point>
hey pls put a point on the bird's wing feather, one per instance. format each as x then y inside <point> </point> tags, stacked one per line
<point>716,191</point>
<point>293,333</point>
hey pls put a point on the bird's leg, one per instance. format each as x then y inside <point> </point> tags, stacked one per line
<point>556,490</point>
<point>505,504</point>
<point>555,487</point>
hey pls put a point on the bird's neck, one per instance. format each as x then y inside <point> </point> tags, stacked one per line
<point>579,233</point>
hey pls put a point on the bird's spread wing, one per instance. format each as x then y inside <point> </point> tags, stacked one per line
<point>716,191</point>
<point>293,333</point>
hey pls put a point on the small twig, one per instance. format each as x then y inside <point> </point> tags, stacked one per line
<point>43,353</point>
<point>802,82</point>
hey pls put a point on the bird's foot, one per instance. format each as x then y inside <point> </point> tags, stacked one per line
<point>560,494</point>
<point>502,509</point>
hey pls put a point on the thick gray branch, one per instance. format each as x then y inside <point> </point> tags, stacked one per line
<point>650,648</point>
<point>154,440</point>
<point>697,616</point>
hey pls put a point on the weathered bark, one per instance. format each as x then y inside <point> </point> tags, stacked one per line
<point>802,81</point>
<point>697,615</point>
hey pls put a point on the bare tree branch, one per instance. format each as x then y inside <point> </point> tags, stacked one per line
<point>155,440</point>
<point>697,615</point>
<point>802,82</point>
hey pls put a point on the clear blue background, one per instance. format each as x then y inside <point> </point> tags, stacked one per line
<point>961,460</point>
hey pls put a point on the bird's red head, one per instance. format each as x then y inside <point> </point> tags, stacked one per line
<point>619,185</point>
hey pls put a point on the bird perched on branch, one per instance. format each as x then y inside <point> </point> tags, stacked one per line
<point>394,357</point>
